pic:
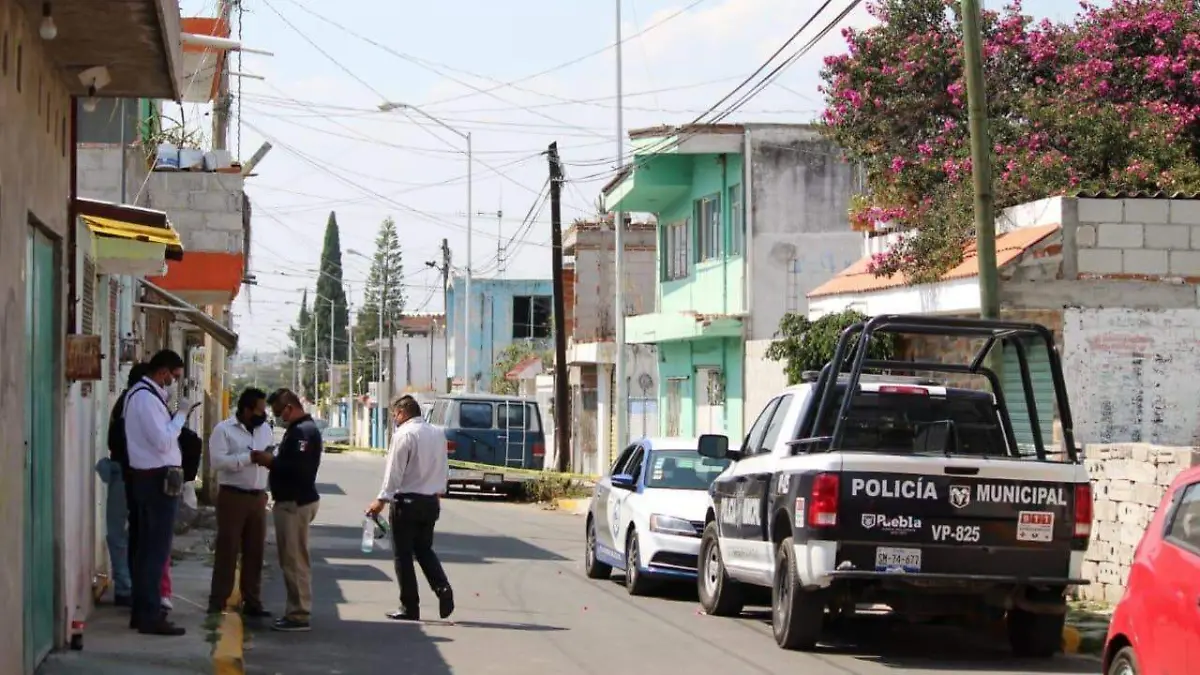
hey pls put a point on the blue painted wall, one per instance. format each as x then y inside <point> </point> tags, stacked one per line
<point>491,327</point>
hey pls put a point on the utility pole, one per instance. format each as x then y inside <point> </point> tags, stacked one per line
<point>316,355</point>
<point>331,322</point>
<point>444,268</point>
<point>562,415</point>
<point>350,376</point>
<point>981,160</point>
<point>621,384</point>
<point>221,104</point>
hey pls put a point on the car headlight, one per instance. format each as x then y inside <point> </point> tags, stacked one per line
<point>672,525</point>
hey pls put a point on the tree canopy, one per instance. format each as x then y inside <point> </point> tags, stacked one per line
<point>384,289</point>
<point>808,345</point>
<point>1109,102</point>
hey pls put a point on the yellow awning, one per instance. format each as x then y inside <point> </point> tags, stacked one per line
<point>120,229</point>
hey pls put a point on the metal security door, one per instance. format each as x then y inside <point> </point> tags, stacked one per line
<point>40,347</point>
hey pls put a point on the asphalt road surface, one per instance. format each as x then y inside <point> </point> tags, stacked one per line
<point>525,607</point>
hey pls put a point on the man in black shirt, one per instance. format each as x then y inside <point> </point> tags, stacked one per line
<point>293,483</point>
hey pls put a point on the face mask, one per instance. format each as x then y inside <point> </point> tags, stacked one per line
<point>257,421</point>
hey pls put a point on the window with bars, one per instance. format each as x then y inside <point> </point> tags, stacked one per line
<point>87,314</point>
<point>737,222</point>
<point>531,316</point>
<point>708,228</point>
<point>676,245</point>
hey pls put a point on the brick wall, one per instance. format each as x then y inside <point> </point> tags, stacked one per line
<point>961,350</point>
<point>1138,239</point>
<point>204,207</point>
<point>1128,482</point>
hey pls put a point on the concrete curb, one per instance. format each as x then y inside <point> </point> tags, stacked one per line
<point>576,507</point>
<point>229,653</point>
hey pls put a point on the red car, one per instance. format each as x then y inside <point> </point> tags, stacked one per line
<point>1155,629</point>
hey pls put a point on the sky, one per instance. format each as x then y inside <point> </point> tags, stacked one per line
<point>517,76</point>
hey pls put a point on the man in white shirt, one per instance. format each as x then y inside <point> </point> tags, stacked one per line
<point>415,479</point>
<point>152,439</point>
<point>241,503</point>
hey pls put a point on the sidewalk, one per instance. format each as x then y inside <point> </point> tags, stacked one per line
<point>110,647</point>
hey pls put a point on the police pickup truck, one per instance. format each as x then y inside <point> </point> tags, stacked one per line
<point>907,494</point>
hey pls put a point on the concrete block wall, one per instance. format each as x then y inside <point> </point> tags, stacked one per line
<point>1128,483</point>
<point>206,208</point>
<point>1138,239</point>
<point>98,174</point>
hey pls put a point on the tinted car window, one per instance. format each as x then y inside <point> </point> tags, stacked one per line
<point>907,423</point>
<point>634,467</point>
<point>772,435</point>
<point>754,438</point>
<point>511,416</point>
<point>683,470</point>
<point>1185,525</point>
<point>623,459</point>
<point>474,415</point>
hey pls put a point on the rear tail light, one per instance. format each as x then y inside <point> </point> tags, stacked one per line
<point>823,504</point>
<point>1083,511</point>
<point>451,446</point>
<point>901,389</point>
<point>539,450</point>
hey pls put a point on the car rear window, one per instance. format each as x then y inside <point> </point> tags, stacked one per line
<point>512,416</point>
<point>903,423</point>
<point>474,415</point>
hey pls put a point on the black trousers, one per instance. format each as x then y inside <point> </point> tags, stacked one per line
<point>156,528</point>
<point>413,518</point>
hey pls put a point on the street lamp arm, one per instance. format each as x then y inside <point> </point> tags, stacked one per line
<point>389,106</point>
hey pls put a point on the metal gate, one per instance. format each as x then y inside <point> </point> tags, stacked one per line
<point>41,306</point>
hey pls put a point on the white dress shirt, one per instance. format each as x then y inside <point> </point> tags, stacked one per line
<point>151,431</point>
<point>417,462</point>
<point>229,450</point>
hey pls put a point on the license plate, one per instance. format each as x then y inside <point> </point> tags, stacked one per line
<point>457,473</point>
<point>888,559</point>
<point>493,478</point>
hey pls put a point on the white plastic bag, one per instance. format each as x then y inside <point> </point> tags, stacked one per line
<point>189,495</point>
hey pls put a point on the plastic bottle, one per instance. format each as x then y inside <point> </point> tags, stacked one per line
<point>382,533</point>
<point>368,535</point>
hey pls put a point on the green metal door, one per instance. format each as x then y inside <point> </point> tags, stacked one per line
<point>1043,390</point>
<point>40,348</point>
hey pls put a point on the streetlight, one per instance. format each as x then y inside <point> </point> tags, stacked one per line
<point>388,106</point>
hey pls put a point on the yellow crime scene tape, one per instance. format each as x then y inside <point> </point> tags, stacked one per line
<point>474,466</point>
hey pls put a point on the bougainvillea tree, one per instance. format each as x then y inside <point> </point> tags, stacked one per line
<point>1108,102</point>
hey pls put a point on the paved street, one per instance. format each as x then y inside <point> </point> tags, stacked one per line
<point>525,607</point>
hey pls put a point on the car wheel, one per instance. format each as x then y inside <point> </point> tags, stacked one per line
<point>593,568</point>
<point>797,615</point>
<point>1035,635</point>
<point>1124,663</point>
<point>635,582</point>
<point>719,595</point>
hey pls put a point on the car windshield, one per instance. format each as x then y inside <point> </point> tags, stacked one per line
<point>682,470</point>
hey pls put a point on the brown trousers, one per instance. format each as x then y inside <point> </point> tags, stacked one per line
<point>291,537</point>
<point>241,531</point>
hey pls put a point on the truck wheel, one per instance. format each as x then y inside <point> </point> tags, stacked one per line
<point>719,595</point>
<point>635,582</point>
<point>593,568</point>
<point>1035,635</point>
<point>797,615</point>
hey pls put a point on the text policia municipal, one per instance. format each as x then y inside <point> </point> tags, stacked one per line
<point>919,488</point>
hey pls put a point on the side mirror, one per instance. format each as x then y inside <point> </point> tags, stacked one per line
<point>623,481</point>
<point>714,446</point>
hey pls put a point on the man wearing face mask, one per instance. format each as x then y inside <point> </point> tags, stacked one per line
<point>152,441</point>
<point>241,503</point>
<point>293,481</point>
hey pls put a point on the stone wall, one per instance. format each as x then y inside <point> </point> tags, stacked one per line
<point>1128,482</point>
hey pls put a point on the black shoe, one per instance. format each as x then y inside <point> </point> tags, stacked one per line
<point>122,601</point>
<point>162,627</point>
<point>287,625</point>
<point>404,615</point>
<point>255,613</point>
<point>445,602</point>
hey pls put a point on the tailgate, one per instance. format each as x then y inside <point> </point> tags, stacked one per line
<point>972,517</point>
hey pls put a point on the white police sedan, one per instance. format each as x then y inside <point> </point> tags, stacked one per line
<point>647,515</point>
